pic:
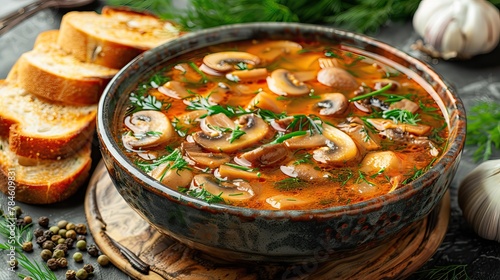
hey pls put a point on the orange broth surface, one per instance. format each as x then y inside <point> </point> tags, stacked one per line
<point>285,125</point>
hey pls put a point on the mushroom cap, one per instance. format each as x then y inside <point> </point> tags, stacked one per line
<point>283,82</point>
<point>233,191</point>
<point>225,61</point>
<point>172,178</point>
<point>337,78</point>
<point>339,149</point>
<point>150,128</point>
<point>333,104</point>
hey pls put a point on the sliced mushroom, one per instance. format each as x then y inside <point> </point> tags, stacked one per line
<point>218,93</point>
<point>230,172</point>
<point>305,171</point>
<point>365,138</point>
<point>150,128</point>
<point>214,124</point>
<point>265,155</point>
<point>273,49</point>
<point>267,101</point>
<point>339,149</point>
<point>385,124</point>
<point>333,104</point>
<point>212,160</point>
<point>225,61</point>
<point>247,75</point>
<point>405,104</point>
<point>232,191</point>
<point>283,82</point>
<point>387,161</point>
<point>337,78</point>
<point>255,130</point>
<point>174,89</point>
<point>282,201</point>
<point>172,178</point>
<point>307,141</point>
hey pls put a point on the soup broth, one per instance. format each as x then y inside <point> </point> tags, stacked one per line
<point>282,125</point>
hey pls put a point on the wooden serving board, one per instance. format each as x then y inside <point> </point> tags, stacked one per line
<point>141,252</point>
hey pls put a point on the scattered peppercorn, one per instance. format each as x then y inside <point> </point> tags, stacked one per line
<point>49,245</point>
<point>62,262</point>
<point>89,268</point>
<point>20,222</point>
<point>70,275</point>
<point>27,220</point>
<point>69,242</point>
<point>46,254</point>
<point>71,233</point>
<point>48,233</point>
<point>43,221</point>
<point>78,257</point>
<point>103,260</point>
<point>38,232</point>
<point>55,238</point>
<point>40,240</point>
<point>70,226</point>
<point>54,229</point>
<point>61,240</point>
<point>58,254</point>
<point>92,250</point>
<point>13,263</point>
<point>82,274</point>
<point>62,232</point>
<point>27,246</point>
<point>62,247</point>
<point>81,245</point>
<point>17,211</point>
<point>62,224</point>
<point>52,264</point>
<point>27,278</point>
<point>81,229</point>
<point>81,237</point>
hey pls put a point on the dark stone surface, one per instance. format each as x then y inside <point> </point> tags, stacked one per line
<point>475,79</point>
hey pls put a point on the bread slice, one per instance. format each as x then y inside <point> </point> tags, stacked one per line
<point>50,72</point>
<point>37,128</point>
<point>114,37</point>
<point>43,181</point>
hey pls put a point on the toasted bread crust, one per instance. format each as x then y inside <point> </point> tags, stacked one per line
<point>16,180</point>
<point>112,39</point>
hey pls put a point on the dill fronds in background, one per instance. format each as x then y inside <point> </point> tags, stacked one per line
<point>356,15</point>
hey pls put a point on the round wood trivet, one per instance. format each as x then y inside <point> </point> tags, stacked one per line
<point>141,252</point>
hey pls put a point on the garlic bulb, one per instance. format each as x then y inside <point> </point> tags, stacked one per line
<point>479,199</point>
<point>457,28</point>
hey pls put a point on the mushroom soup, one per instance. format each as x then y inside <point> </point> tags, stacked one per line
<point>282,125</point>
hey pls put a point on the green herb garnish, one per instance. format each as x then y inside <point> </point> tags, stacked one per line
<point>451,272</point>
<point>146,102</point>
<point>401,116</point>
<point>370,94</point>
<point>205,195</point>
<point>483,129</point>
<point>289,184</point>
<point>174,160</point>
<point>419,172</point>
<point>362,177</point>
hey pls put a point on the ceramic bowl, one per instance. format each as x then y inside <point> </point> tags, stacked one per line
<point>235,233</point>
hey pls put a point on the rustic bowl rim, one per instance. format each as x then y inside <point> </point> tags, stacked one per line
<point>104,132</point>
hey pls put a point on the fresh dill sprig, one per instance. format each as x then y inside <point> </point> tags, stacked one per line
<point>203,103</point>
<point>289,184</point>
<point>174,160</point>
<point>146,102</point>
<point>35,270</point>
<point>401,116</point>
<point>449,272</point>
<point>21,233</point>
<point>203,194</point>
<point>362,177</point>
<point>418,172</point>
<point>483,129</point>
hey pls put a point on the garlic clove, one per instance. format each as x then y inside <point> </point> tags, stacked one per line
<point>479,199</point>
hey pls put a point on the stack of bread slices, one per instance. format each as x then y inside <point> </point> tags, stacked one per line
<point>49,99</point>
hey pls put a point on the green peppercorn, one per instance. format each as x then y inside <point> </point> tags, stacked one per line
<point>62,223</point>
<point>17,211</point>
<point>81,245</point>
<point>62,232</point>
<point>27,246</point>
<point>82,274</point>
<point>92,250</point>
<point>54,229</point>
<point>43,221</point>
<point>70,275</point>
<point>103,260</point>
<point>89,268</point>
<point>49,245</point>
<point>71,233</point>
<point>62,262</point>
<point>70,226</point>
<point>46,254</point>
<point>58,254</point>
<point>52,264</point>
<point>63,247</point>
<point>81,229</point>
<point>78,257</point>
<point>61,240</point>
<point>27,220</point>
<point>13,263</point>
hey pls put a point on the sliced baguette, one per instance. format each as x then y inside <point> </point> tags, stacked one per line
<point>49,72</point>
<point>37,128</point>
<point>46,181</point>
<point>114,37</point>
